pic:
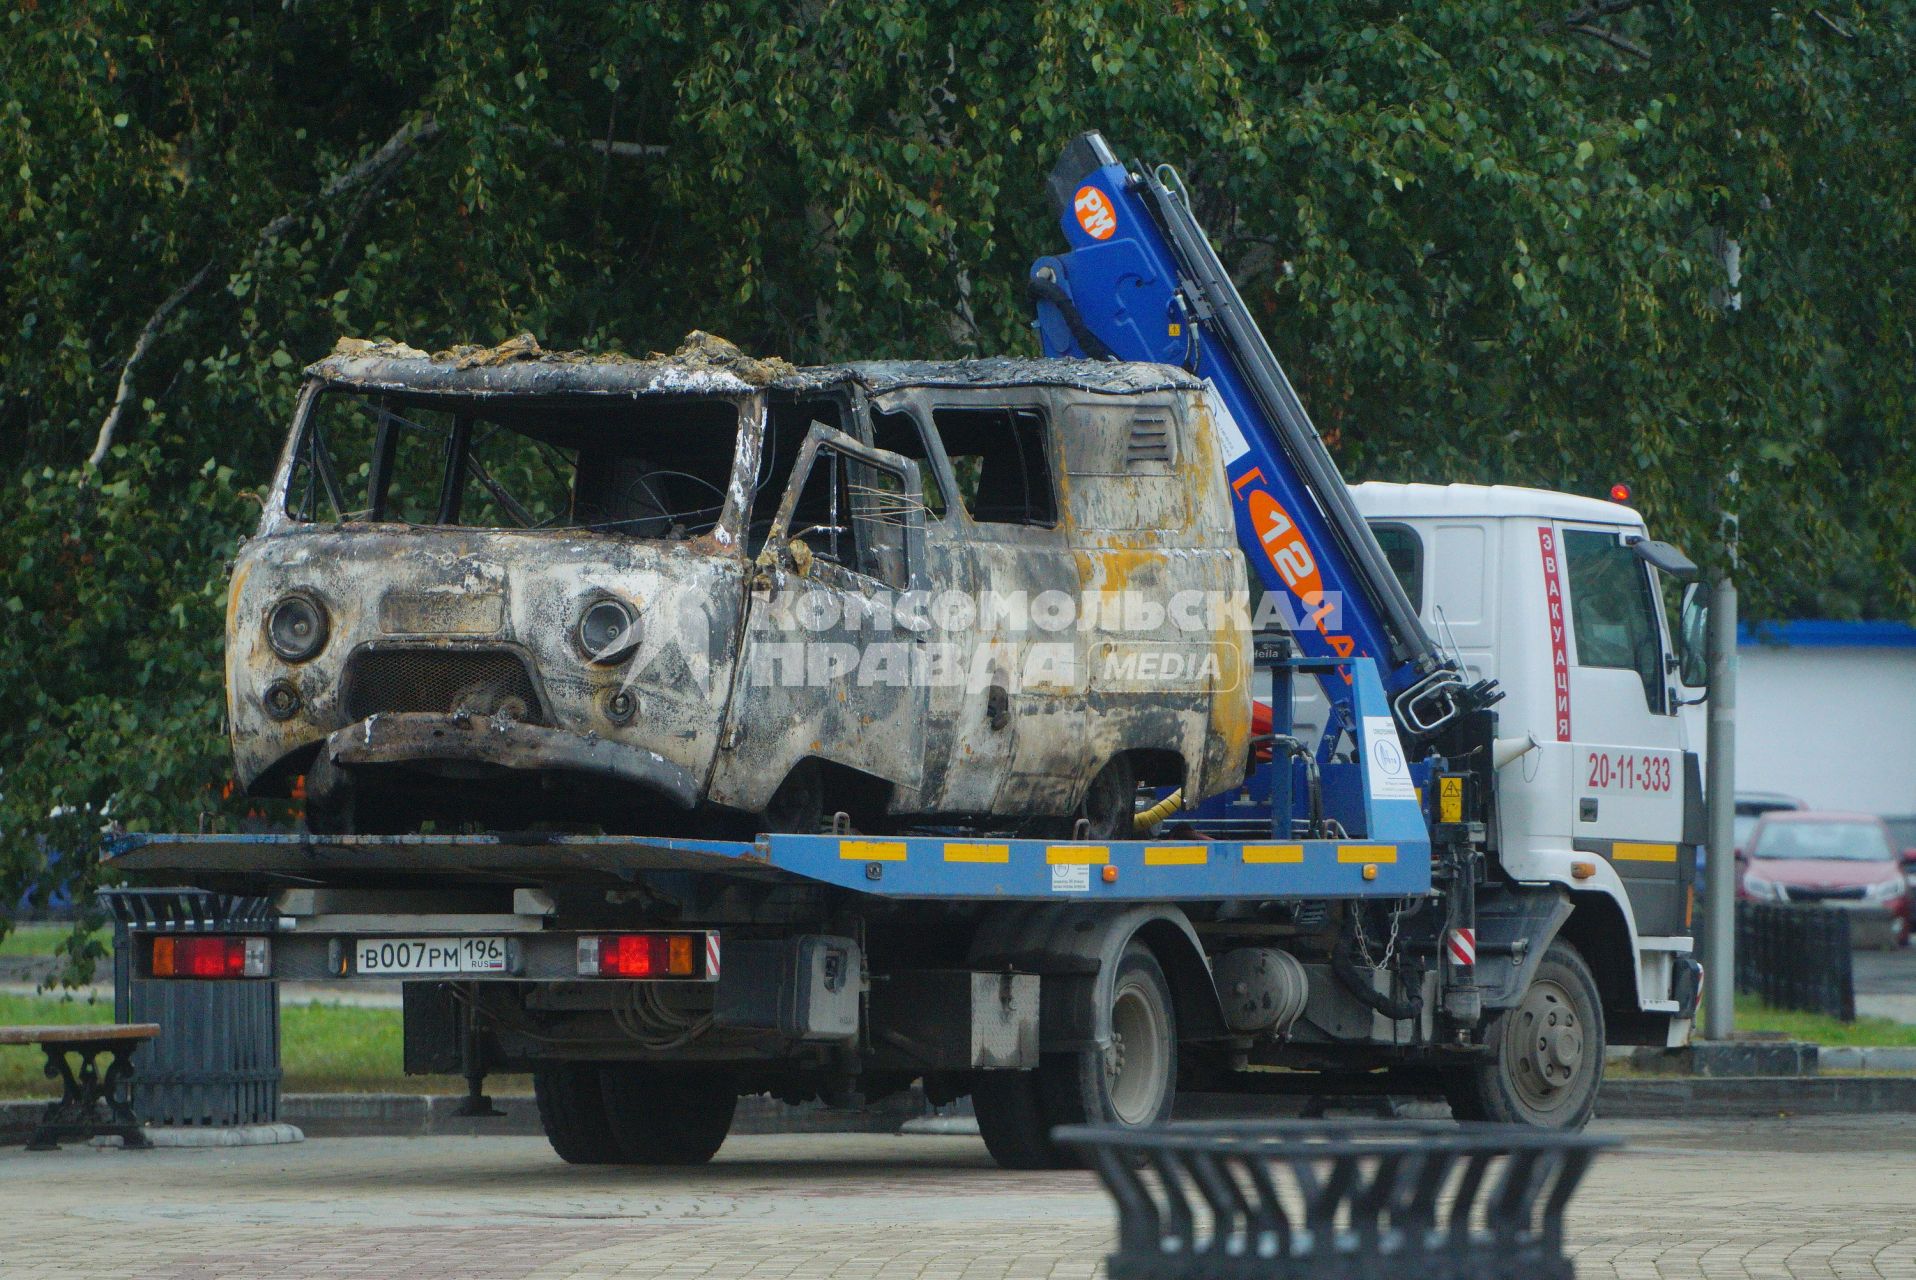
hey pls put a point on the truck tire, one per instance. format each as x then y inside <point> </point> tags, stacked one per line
<point>572,1113</point>
<point>1011,1120</point>
<point>1546,1059</point>
<point>1133,1083</point>
<point>659,1117</point>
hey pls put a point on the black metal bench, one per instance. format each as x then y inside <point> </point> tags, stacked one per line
<point>89,1104</point>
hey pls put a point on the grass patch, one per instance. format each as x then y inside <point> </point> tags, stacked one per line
<point>1753,1015</point>
<point>324,1048</point>
<point>41,939</point>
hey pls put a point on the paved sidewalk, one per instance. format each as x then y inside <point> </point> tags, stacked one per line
<point>1827,1197</point>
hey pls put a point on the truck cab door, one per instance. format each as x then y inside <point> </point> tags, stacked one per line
<point>823,673</point>
<point>1628,772</point>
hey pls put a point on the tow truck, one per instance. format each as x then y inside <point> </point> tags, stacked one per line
<point>1460,862</point>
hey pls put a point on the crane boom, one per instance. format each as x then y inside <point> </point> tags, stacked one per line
<point>1141,281</point>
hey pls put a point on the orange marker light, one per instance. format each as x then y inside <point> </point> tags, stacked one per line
<point>1110,874</point>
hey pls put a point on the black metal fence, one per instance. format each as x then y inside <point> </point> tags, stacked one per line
<point>216,1059</point>
<point>1796,957</point>
<point>1231,1201</point>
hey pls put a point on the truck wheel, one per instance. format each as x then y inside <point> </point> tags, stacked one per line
<point>572,1112</point>
<point>1011,1121</point>
<point>1546,1058</point>
<point>1131,1083</point>
<point>656,1117</point>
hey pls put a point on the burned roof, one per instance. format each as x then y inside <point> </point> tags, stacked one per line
<point>1113,376</point>
<point>703,365</point>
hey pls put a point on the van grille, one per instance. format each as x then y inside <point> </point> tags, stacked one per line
<point>481,681</point>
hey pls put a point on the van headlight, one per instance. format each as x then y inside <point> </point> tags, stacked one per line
<point>608,631</point>
<point>1884,890</point>
<point>1762,890</point>
<point>296,628</point>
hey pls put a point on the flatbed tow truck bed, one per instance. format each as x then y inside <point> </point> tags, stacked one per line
<point>1393,864</point>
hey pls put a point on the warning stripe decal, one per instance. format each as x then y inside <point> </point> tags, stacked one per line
<point>1462,945</point>
<point>1077,855</point>
<point>958,851</point>
<point>1627,851</point>
<point>1367,853</point>
<point>1264,853</point>
<point>872,850</point>
<point>1176,855</point>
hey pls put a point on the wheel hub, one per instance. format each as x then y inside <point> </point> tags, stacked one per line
<point>1547,1044</point>
<point>1137,1060</point>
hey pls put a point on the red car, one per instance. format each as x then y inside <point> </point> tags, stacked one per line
<point>1843,860</point>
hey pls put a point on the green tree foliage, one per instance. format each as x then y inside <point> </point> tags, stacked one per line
<point>1490,239</point>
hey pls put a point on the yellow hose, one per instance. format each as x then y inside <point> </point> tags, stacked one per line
<point>1158,812</point>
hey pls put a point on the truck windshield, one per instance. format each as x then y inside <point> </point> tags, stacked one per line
<point>645,468</point>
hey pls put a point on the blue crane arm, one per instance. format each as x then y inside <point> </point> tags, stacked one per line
<point>1140,281</point>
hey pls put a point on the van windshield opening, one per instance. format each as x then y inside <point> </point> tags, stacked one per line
<point>653,468</point>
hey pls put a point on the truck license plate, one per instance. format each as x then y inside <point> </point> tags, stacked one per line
<point>373,956</point>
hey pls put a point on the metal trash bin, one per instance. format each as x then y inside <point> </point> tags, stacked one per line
<point>1355,1201</point>
<point>216,1059</point>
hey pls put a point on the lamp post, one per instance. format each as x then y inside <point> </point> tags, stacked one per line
<point>1719,791</point>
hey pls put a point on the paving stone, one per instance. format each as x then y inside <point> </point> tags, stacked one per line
<point>1816,1196</point>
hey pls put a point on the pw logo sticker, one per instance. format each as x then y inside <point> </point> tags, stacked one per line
<point>1095,213</point>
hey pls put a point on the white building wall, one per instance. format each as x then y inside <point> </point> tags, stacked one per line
<point>1833,726</point>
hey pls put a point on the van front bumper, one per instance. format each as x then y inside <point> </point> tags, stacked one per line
<point>418,738</point>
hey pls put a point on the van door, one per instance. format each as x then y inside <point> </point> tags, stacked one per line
<point>1627,749</point>
<point>822,671</point>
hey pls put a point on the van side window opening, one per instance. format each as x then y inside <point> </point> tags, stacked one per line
<point>1404,552</point>
<point>1613,613</point>
<point>1002,461</point>
<point>900,433</point>
<point>645,469</point>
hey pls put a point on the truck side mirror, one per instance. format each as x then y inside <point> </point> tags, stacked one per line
<point>1665,558</point>
<point>1693,637</point>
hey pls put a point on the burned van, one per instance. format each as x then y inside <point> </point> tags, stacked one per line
<point>508,588</point>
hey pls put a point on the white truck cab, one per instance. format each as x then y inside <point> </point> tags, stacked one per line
<point>1556,597</point>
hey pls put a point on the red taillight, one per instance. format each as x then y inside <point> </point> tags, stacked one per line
<point>212,957</point>
<point>648,955</point>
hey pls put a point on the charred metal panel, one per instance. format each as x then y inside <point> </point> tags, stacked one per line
<point>687,597</point>
<point>824,673</point>
<point>457,649</point>
<point>704,366</point>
